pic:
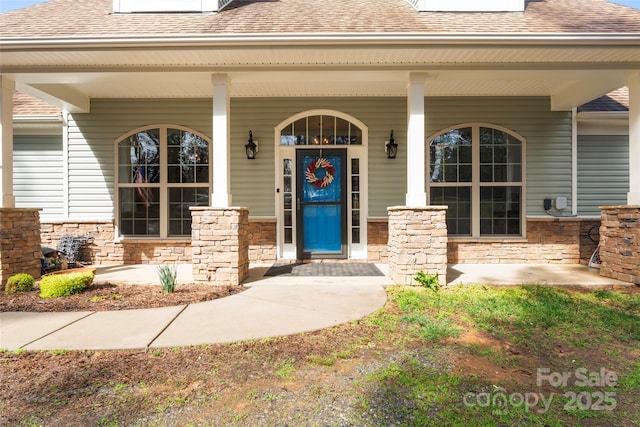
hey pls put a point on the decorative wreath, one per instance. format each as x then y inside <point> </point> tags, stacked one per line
<point>329,172</point>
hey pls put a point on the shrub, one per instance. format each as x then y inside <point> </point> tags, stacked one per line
<point>429,281</point>
<point>22,282</point>
<point>59,285</point>
<point>168,275</point>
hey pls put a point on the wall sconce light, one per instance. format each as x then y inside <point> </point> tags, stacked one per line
<point>251,147</point>
<point>390,147</point>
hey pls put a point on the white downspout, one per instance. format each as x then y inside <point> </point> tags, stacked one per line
<point>574,161</point>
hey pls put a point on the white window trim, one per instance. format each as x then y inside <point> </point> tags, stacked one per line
<point>163,185</point>
<point>475,183</point>
<point>355,250</point>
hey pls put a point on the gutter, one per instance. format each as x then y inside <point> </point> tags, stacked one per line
<point>293,39</point>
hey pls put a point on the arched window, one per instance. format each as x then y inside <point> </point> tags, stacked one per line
<point>478,172</point>
<point>162,171</point>
<point>321,130</point>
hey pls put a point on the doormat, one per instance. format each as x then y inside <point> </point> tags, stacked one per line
<point>324,269</point>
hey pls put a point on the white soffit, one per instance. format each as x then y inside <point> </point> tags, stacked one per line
<point>70,88</point>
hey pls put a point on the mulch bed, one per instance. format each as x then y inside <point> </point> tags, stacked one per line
<point>105,297</point>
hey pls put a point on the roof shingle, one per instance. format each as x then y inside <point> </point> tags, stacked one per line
<point>618,100</point>
<point>84,18</point>
<point>25,105</point>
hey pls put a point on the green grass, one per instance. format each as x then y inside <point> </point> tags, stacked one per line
<point>537,319</point>
<point>411,393</point>
<point>631,381</point>
<point>528,312</point>
<point>285,368</point>
<point>433,329</point>
<point>465,356</point>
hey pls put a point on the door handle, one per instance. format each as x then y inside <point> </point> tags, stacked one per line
<point>298,203</point>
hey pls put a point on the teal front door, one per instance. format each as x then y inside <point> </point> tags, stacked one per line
<point>321,204</point>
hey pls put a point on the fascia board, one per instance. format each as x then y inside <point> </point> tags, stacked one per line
<point>293,39</point>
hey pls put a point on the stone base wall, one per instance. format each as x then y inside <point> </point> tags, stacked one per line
<point>262,240</point>
<point>220,245</point>
<point>417,242</point>
<point>378,238</point>
<point>552,241</point>
<point>19,243</point>
<point>100,247</point>
<point>620,243</point>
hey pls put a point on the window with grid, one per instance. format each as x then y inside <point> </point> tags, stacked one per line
<point>321,130</point>
<point>477,171</point>
<point>162,171</point>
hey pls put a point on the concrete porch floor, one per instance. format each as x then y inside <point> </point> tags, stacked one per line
<point>486,274</point>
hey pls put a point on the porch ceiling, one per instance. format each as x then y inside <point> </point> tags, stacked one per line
<point>69,78</point>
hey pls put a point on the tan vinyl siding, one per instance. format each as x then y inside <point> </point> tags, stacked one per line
<point>547,134</point>
<point>38,174</point>
<point>91,144</point>
<point>253,181</point>
<point>603,172</point>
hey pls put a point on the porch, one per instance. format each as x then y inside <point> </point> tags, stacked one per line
<point>457,274</point>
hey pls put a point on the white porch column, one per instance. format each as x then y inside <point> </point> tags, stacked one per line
<point>416,195</point>
<point>633,197</point>
<point>221,197</point>
<point>6,127</point>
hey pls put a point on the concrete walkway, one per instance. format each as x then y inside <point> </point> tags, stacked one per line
<point>271,306</point>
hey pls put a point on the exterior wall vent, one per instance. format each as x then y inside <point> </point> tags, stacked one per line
<point>203,6</point>
<point>468,5</point>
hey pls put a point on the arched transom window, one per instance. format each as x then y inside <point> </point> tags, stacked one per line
<point>321,130</point>
<point>162,171</point>
<point>477,171</point>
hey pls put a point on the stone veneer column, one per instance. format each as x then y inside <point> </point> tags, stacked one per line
<point>417,241</point>
<point>19,243</point>
<point>220,245</point>
<point>620,243</point>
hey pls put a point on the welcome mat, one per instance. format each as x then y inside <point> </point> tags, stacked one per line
<point>324,269</point>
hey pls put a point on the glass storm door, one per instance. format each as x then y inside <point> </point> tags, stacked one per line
<point>321,204</point>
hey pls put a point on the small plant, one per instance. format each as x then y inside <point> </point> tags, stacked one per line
<point>429,281</point>
<point>285,368</point>
<point>60,285</point>
<point>168,274</point>
<point>22,282</point>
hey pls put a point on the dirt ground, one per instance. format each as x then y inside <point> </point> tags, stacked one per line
<point>104,297</point>
<point>316,378</point>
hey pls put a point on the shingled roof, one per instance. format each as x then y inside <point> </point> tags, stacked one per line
<point>615,101</point>
<point>94,18</point>
<point>25,105</point>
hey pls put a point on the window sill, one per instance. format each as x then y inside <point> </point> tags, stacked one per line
<point>125,239</point>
